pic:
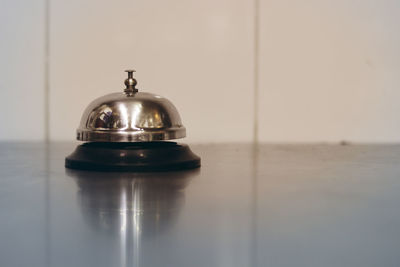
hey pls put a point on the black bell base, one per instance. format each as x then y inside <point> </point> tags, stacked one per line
<point>132,157</point>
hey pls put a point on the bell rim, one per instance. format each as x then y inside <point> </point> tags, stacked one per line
<point>130,136</point>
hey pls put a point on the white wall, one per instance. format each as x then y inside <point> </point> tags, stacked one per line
<point>22,77</point>
<point>328,70</point>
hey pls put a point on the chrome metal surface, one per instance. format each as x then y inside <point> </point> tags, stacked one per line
<point>130,116</point>
<point>271,205</point>
<point>130,83</point>
<point>119,117</point>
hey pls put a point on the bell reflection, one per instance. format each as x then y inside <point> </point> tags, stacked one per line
<point>131,209</point>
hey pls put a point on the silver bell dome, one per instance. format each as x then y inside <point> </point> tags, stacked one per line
<point>130,116</point>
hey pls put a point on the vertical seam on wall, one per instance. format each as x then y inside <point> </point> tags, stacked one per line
<point>46,72</point>
<point>256,70</point>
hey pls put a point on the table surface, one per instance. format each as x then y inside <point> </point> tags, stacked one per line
<point>266,205</point>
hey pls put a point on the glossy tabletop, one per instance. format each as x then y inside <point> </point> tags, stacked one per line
<point>266,205</point>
